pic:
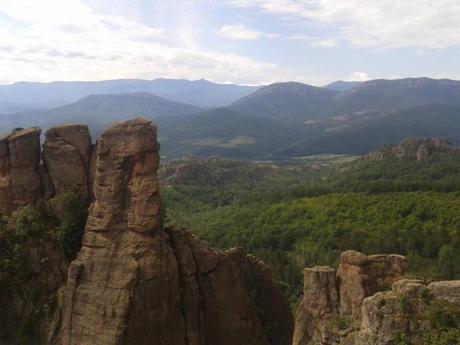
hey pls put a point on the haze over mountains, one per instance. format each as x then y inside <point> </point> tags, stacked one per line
<point>281,120</point>
<point>27,95</point>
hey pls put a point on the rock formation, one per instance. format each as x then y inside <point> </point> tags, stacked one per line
<point>412,148</point>
<point>66,165</point>
<point>135,282</point>
<point>19,169</point>
<point>360,276</point>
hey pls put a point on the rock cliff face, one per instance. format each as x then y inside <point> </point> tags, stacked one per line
<point>66,158</point>
<point>19,169</point>
<point>135,282</point>
<point>368,303</point>
<point>412,148</point>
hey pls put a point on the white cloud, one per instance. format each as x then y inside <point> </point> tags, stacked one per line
<point>66,40</point>
<point>315,42</point>
<point>272,35</point>
<point>358,76</point>
<point>238,32</point>
<point>426,24</point>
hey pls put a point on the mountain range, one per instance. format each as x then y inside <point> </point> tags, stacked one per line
<point>280,120</point>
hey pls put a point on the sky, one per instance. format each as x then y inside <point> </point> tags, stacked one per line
<point>229,41</point>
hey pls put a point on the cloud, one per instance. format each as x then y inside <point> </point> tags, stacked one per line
<point>385,24</point>
<point>238,32</point>
<point>68,40</point>
<point>315,42</point>
<point>358,76</point>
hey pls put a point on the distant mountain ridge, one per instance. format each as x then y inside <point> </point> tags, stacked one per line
<point>341,85</point>
<point>279,120</point>
<point>99,110</point>
<point>201,93</point>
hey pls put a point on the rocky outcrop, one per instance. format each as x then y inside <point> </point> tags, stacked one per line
<point>135,282</point>
<point>404,313</point>
<point>66,165</point>
<point>19,169</point>
<point>368,303</point>
<point>66,158</point>
<point>418,149</point>
<point>331,303</point>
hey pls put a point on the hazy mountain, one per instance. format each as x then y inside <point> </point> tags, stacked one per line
<point>279,120</point>
<point>341,85</point>
<point>99,110</point>
<point>199,92</point>
<point>396,94</point>
<point>297,102</point>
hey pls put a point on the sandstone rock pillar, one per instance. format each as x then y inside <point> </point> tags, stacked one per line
<point>19,169</point>
<point>318,308</point>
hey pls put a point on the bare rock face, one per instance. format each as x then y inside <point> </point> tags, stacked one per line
<point>361,276</point>
<point>318,308</point>
<point>412,148</point>
<point>136,283</point>
<point>271,306</point>
<point>19,169</point>
<point>66,158</point>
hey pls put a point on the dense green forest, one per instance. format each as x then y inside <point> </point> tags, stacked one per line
<point>306,214</point>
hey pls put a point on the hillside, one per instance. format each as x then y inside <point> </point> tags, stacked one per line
<point>290,102</point>
<point>224,132</point>
<point>363,132</point>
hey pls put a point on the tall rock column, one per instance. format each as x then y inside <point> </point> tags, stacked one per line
<point>125,259</point>
<point>137,283</point>
<point>318,308</point>
<point>19,169</point>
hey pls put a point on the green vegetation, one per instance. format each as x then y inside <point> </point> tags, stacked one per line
<point>34,243</point>
<point>444,322</point>
<point>294,216</point>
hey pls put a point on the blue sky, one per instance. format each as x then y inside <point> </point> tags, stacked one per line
<point>238,41</point>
